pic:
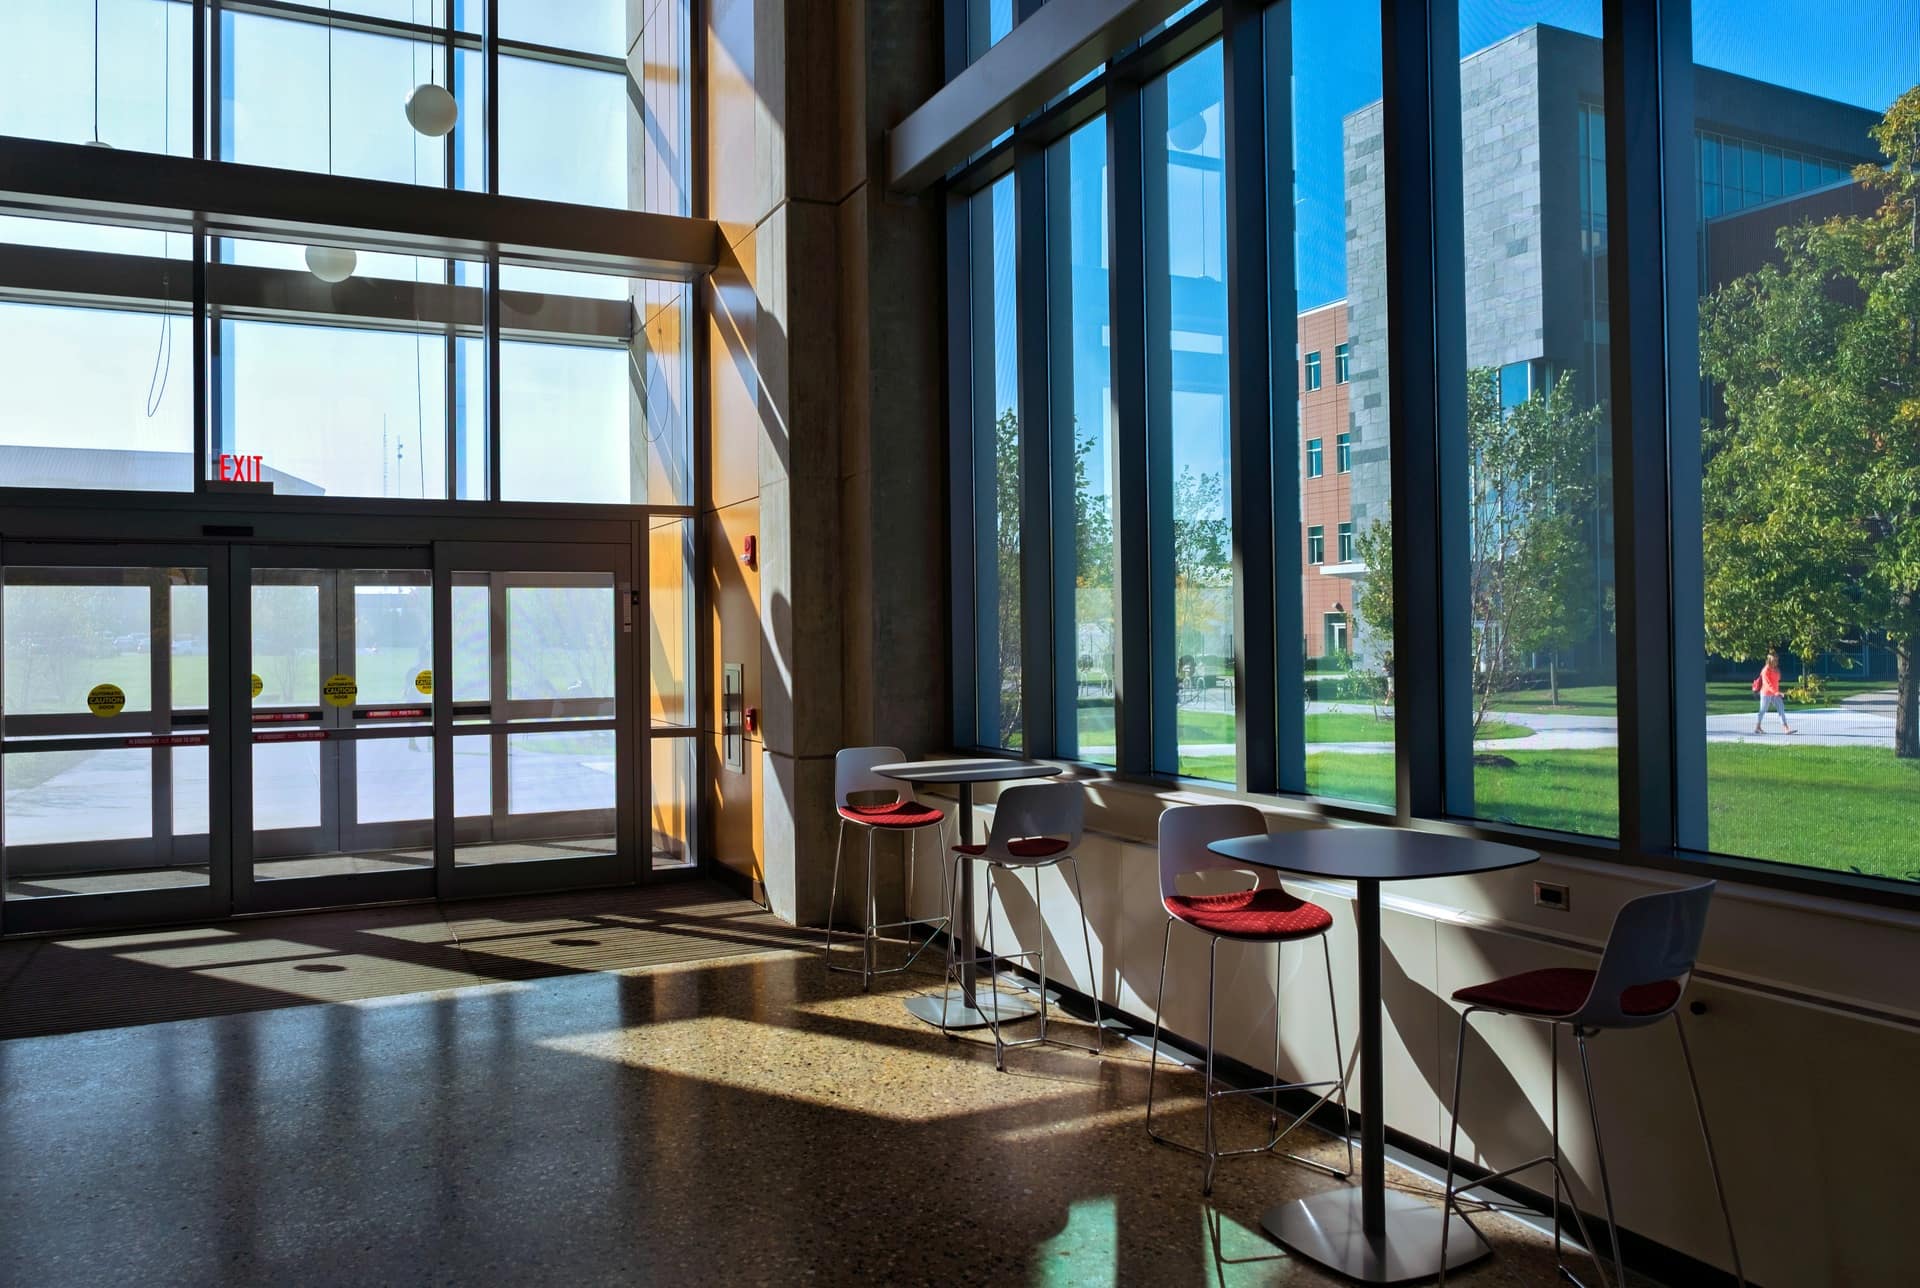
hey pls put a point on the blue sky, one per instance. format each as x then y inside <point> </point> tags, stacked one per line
<point>1864,52</point>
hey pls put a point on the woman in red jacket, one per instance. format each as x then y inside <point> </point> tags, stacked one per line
<point>1767,685</point>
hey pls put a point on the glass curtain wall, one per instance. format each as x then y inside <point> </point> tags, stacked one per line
<point>996,446</point>
<point>1787,503</point>
<point>1342,552</point>
<point>1189,457</point>
<point>1539,686</point>
<point>1806,200</point>
<point>1080,379</point>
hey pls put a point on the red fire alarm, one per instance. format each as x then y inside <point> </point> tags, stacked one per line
<point>750,551</point>
<point>753,719</point>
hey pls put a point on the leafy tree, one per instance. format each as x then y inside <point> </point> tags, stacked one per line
<point>1006,509</point>
<point>1812,472</point>
<point>1092,524</point>
<point>1202,558</point>
<point>1373,598</point>
<point>1530,578</point>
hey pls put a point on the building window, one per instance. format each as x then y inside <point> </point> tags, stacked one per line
<point>1342,364</point>
<point>1343,454</point>
<point>996,436</point>
<point>1313,371</point>
<point>1316,459</point>
<point>1316,545</point>
<point>1346,543</point>
<point>1333,632</point>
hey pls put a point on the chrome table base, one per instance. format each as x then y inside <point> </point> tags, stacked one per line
<point>1327,1229</point>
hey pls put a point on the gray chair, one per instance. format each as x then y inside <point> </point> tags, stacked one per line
<point>1035,826</point>
<point>901,814</point>
<point>1257,915</point>
<point>1644,970</point>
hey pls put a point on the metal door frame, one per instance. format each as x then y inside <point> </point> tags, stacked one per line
<point>622,866</point>
<point>214,899</point>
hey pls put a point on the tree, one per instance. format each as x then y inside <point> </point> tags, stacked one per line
<point>1530,576</point>
<point>1202,558</point>
<point>1811,482</point>
<point>1006,509</point>
<point>1373,598</point>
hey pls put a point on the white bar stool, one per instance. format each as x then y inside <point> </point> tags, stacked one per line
<point>1035,826</point>
<point>853,775</point>
<point>1259,915</point>
<point>1643,971</point>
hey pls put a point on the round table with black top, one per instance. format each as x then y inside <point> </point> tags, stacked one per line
<point>956,1008</point>
<point>1367,1233</point>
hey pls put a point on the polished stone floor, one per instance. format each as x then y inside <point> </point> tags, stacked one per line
<point>747,1119</point>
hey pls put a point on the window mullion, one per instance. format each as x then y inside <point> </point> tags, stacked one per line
<point>1127,415</point>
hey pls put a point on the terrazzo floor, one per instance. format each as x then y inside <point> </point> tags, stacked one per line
<point>742,1120</point>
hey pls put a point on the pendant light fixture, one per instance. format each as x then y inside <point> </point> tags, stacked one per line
<point>430,108</point>
<point>331,263</point>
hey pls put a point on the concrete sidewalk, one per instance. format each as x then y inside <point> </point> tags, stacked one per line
<point>1865,720</point>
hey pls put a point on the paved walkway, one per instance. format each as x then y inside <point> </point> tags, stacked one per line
<point>1865,720</point>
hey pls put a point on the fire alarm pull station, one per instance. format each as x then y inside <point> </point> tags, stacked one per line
<point>750,551</point>
<point>733,738</point>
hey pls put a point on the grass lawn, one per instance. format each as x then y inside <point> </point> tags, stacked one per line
<point>1847,809</point>
<point>1724,697</point>
<point>1096,730</point>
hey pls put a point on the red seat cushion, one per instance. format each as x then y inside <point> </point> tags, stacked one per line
<point>1560,990</point>
<point>1269,914</point>
<point>1026,847</point>
<point>893,814</point>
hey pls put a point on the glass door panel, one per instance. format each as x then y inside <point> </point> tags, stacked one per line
<point>104,765</point>
<point>541,782</point>
<point>541,661</point>
<point>341,724</point>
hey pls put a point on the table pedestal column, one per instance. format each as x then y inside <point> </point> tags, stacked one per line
<point>957,1008</point>
<point>1366,1233</point>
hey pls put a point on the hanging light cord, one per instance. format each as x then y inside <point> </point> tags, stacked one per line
<point>96,71</point>
<point>163,354</point>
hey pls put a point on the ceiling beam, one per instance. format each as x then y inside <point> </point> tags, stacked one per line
<point>145,189</point>
<point>1038,61</point>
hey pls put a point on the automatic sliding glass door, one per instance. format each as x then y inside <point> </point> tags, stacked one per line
<point>106,745</point>
<point>340,725</point>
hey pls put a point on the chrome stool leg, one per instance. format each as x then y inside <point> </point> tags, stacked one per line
<point>1153,1052</point>
<point>1339,1054</point>
<point>993,981</point>
<point>1600,1154</point>
<point>1213,1153</point>
<point>833,896</point>
<point>1086,938</point>
<point>1706,1138</point>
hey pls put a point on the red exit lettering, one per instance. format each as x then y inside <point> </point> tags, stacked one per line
<point>240,469</point>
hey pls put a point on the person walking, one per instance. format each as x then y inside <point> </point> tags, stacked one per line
<point>1767,685</point>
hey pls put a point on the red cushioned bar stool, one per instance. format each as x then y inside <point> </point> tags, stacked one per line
<point>853,776</point>
<point>1643,970</point>
<point>1035,826</point>
<point>1256,915</point>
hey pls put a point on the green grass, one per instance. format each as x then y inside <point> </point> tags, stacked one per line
<point>1845,809</point>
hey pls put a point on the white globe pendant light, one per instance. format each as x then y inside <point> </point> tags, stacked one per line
<point>331,263</point>
<point>431,110</point>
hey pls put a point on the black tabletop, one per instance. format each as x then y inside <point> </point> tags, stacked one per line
<point>1377,853</point>
<point>986,770</point>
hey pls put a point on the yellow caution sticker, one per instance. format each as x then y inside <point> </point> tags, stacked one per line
<point>340,690</point>
<point>424,683</point>
<point>106,700</point>
<point>256,685</point>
